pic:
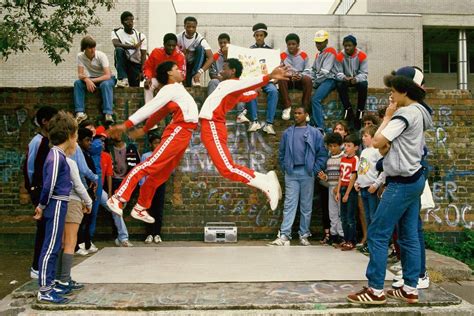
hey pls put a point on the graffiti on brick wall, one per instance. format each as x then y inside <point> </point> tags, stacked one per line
<point>438,134</point>
<point>10,164</point>
<point>13,122</point>
<point>334,110</point>
<point>374,103</point>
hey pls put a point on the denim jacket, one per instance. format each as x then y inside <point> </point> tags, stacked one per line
<point>316,154</point>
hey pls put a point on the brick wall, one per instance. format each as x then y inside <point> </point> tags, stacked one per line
<point>196,194</point>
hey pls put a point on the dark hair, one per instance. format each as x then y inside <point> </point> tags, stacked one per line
<point>61,127</point>
<point>44,113</point>
<point>371,117</point>
<point>124,15</point>
<point>406,85</point>
<point>260,26</point>
<point>381,111</point>
<point>300,107</point>
<point>234,63</point>
<point>152,137</point>
<point>223,36</point>
<point>345,125</point>
<point>86,123</point>
<point>333,138</point>
<point>87,42</point>
<point>352,138</point>
<point>83,133</point>
<point>169,37</point>
<point>292,37</point>
<point>190,19</point>
<point>162,71</point>
<point>371,130</point>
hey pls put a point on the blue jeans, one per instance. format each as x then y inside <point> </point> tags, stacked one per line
<point>127,69</point>
<point>272,101</point>
<point>348,211</point>
<point>122,231</point>
<point>400,204</point>
<point>320,93</point>
<point>370,201</point>
<point>299,186</point>
<point>106,88</point>
<point>192,68</point>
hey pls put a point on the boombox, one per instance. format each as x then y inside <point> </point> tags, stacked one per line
<point>220,232</point>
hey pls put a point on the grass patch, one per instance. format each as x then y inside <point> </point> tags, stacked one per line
<point>462,251</point>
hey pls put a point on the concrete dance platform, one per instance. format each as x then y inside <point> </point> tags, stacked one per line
<point>160,265</point>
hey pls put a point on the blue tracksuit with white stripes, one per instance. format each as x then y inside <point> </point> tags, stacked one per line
<point>53,200</point>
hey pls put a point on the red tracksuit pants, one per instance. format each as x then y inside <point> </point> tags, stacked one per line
<point>158,167</point>
<point>214,138</point>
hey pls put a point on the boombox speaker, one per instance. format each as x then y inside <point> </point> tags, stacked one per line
<point>220,232</point>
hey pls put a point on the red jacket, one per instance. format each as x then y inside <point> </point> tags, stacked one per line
<point>158,55</point>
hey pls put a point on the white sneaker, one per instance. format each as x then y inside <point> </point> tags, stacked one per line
<point>304,241</point>
<point>269,184</point>
<point>82,246</point>
<point>115,205</point>
<point>122,83</point>
<point>149,239</point>
<point>286,113</point>
<point>424,282</point>
<point>93,248</point>
<point>398,276</point>
<point>280,241</point>
<point>140,213</point>
<point>109,119</point>
<point>80,117</point>
<point>308,118</point>
<point>196,83</point>
<point>268,128</point>
<point>396,267</point>
<point>82,252</point>
<point>254,126</point>
<point>33,273</point>
<point>157,239</point>
<point>241,118</point>
<point>398,284</point>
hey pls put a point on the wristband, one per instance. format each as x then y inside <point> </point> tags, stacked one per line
<point>201,71</point>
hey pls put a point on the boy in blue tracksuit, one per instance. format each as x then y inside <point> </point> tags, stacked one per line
<point>53,201</point>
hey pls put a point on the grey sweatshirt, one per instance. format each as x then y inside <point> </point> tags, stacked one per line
<point>298,62</point>
<point>352,66</point>
<point>405,131</point>
<point>78,191</point>
<point>324,66</point>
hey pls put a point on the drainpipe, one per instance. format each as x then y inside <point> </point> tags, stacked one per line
<point>462,60</point>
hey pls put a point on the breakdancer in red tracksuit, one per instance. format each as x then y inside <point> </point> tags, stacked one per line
<point>214,132</point>
<point>172,98</point>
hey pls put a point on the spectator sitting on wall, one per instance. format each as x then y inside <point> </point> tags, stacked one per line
<point>130,52</point>
<point>169,52</point>
<point>370,119</point>
<point>197,51</point>
<point>352,72</point>
<point>93,70</point>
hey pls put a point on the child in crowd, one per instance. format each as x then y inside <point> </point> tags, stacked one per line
<point>331,176</point>
<point>345,191</point>
<point>368,178</point>
<point>370,119</point>
<point>153,231</point>
<point>54,200</point>
<point>341,128</point>
<point>33,166</point>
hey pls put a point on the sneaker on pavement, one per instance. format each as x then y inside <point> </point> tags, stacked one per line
<point>82,252</point>
<point>304,241</point>
<point>157,239</point>
<point>348,246</point>
<point>149,239</point>
<point>51,297</point>
<point>115,205</point>
<point>280,241</point>
<point>241,118</point>
<point>80,117</point>
<point>285,114</point>
<point>398,283</point>
<point>109,119</point>
<point>140,213</point>
<point>33,273</point>
<point>123,243</point>
<point>93,248</point>
<point>401,294</point>
<point>254,126</point>
<point>268,128</point>
<point>122,83</point>
<point>75,286</point>
<point>367,296</point>
<point>424,282</point>
<point>63,289</point>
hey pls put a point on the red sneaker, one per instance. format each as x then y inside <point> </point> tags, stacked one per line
<point>400,294</point>
<point>367,296</point>
<point>347,246</point>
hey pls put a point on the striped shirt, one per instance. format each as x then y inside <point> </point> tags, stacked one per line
<point>332,169</point>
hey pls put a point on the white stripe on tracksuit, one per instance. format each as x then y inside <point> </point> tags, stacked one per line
<point>148,162</point>
<point>54,235</point>
<point>215,136</point>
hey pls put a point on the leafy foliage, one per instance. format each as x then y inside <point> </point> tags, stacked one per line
<point>54,22</point>
<point>462,251</point>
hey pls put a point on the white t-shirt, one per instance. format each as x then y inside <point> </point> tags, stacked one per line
<point>189,45</point>
<point>93,68</point>
<point>130,39</point>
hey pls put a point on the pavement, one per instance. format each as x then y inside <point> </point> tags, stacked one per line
<point>311,297</point>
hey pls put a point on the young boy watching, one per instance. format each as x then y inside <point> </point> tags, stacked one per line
<point>54,200</point>
<point>345,191</point>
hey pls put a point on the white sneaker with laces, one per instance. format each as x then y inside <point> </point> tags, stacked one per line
<point>80,117</point>
<point>254,126</point>
<point>304,241</point>
<point>280,241</point>
<point>122,83</point>
<point>285,114</point>
<point>115,205</point>
<point>241,118</point>
<point>82,252</point>
<point>424,282</point>
<point>149,239</point>
<point>140,213</point>
<point>268,128</point>
<point>157,239</point>
<point>93,248</point>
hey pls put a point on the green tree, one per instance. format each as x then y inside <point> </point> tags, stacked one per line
<point>54,22</point>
